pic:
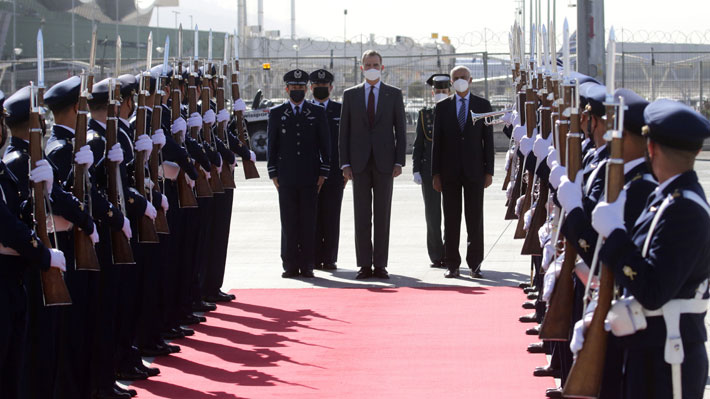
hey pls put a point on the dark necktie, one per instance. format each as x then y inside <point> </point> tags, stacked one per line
<point>462,114</point>
<point>371,106</point>
<point>298,110</point>
<point>322,104</point>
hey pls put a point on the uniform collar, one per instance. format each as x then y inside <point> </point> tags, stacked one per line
<point>19,143</point>
<point>318,103</point>
<point>99,123</point>
<point>680,180</point>
<point>631,165</point>
<point>63,131</point>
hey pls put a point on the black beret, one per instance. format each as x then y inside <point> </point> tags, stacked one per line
<point>17,106</point>
<point>296,77</point>
<point>596,96</point>
<point>99,93</point>
<point>635,105</point>
<point>129,84</point>
<point>675,125</point>
<point>321,76</point>
<point>63,93</point>
<point>439,81</point>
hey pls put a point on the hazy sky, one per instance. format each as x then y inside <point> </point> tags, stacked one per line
<point>463,21</point>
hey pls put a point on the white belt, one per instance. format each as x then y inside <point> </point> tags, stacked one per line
<point>8,251</point>
<point>60,225</point>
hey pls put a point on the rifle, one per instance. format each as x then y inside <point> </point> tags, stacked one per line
<point>85,257</point>
<point>587,371</point>
<point>215,179</point>
<point>146,228</point>
<point>518,160</point>
<point>226,176</point>
<point>202,186</point>
<point>54,290</point>
<point>161,220</point>
<point>250,171</point>
<point>530,110</point>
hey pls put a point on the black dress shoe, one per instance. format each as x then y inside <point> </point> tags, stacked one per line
<point>131,375</point>
<point>530,290</point>
<point>187,332</point>
<point>111,394</point>
<point>171,348</point>
<point>231,296</point>
<point>190,320</point>
<point>476,274</point>
<point>554,393</point>
<point>318,266</point>
<point>529,318</point>
<point>290,274</point>
<point>529,305</point>
<point>330,266</point>
<point>201,319</point>
<point>151,371</point>
<point>532,296</point>
<point>363,273</point>
<point>215,298</point>
<point>381,272</point>
<point>154,351</point>
<point>439,264</point>
<point>547,372</point>
<point>537,347</point>
<point>523,285</point>
<point>172,333</point>
<point>203,306</point>
<point>307,273</point>
<point>129,391</point>
<point>452,273</point>
<point>533,331</point>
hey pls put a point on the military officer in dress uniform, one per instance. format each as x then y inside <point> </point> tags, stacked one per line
<point>421,164</point>
<point>330,197</point>
<point>298,164</point>
<point>662,262</point>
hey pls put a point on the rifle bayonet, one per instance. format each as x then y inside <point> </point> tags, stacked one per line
<point>149,53</point>
<point>118,57</point>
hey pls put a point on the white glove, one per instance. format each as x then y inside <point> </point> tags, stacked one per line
<point>94,235</point>
<point>209,117</point>
<point>569,193</point>
<point>170,170</point>
<point>164,203</point>
<point>418,178</point>
<point>190,182</point>
<point>528,219</point>
<point>252,156</point>
<point>552,157</point>
<point>519,132</point>
<point>56,259</point>
<point>509,159</point>
<point>577,342</point>
<point>608,217</point>
<point>516,118</point>
<point>158,138</point>
<point>222,116</point>
<point>526,145</point>
<point>221,163</point>
<point>115,154</point>
<point>541,146</point>
<point>239,105</point>
<point>144,143</point>
<point>195,120</point>
<point>43,173</point>
<point>548,254</point>
<point>84,156</point>
<point>556,174</point>
<point>127,228</point>
<point>508,118</point>
<point>519,205</point>
<point>179,126</point>
<point>548,285</point>
<point>150,210</point>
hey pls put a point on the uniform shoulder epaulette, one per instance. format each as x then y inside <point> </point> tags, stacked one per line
<point>54,145</point>
<point>12,156</point>
<point>93,135</point>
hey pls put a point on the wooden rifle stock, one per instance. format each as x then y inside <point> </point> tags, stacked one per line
<point>146,228</point>
<point>517,163</point>
<point>202,186</point>
<point>215,180</point>
<point>54,290</point>
<point>226,176</point>
<point>85,257</point>
<point>120,246</point>
<point>520,97</point>
<point>186,198</point>
<point>161,220</point>
<point>586,374</point>
<point>530,110</point>
<point>556,324</point>
<point>250,171</point>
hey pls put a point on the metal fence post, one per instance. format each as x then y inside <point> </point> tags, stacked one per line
<point>701,100</point>
<point>623,69</point>
<point>485,74</point>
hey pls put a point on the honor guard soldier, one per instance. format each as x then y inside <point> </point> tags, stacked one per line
<point>662,262</point>
<point>330,197</point>
<point>421,164</point>
<point>298,164</point>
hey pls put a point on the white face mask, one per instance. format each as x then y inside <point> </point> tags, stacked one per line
<point>460,85</point>
<point>439,96</point>
<point>372,74</point>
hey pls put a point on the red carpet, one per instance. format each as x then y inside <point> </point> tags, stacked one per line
<point>356,343</point>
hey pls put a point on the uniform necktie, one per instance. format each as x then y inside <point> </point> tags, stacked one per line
<point>322,104</point>
<point>462,114</point>
<point>298,110</point>
<point>371,106</point>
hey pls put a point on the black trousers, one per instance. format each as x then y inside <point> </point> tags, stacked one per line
<point>297,206</point>
<point>330,201</point>
<point>186,263</point>
<point>174,265</point>
<point>372,189</point>
<point>432,213</point>
<point>13,329</point>
<point>214,275</point>
<point>452,190</point>
<point>203,242</point>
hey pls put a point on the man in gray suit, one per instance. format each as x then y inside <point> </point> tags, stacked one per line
<point>372,153</point>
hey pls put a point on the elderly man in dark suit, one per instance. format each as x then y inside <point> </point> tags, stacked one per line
<point>372,153</point>
<point>462,160</point>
